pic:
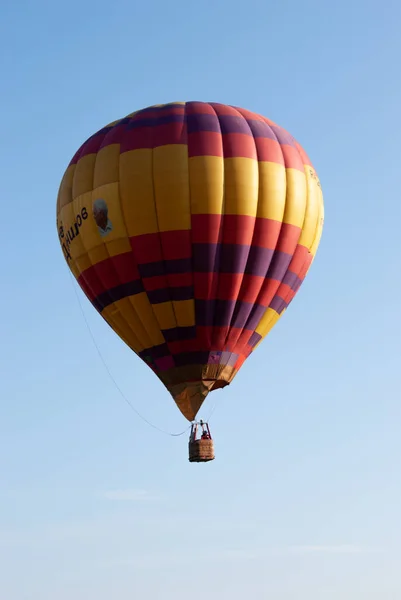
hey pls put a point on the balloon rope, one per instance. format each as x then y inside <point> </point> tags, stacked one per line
<point>111,376</point>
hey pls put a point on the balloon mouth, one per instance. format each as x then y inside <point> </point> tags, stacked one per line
<point>190,396</point>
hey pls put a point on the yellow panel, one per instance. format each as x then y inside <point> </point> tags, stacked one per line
<point>296,198</point>
<point>82,263</point>
<point>241,186</point>
<point>83,175</point>
<point>185,312</point>
<point>272,191</point>
<point>65,190</point>
<point>310,224</point>
<point>145,311</point>
<point>171,187</point>
<point>127,310</point>
<point>165,315</point>
<point>118,320</point>
<point>319,228</point>
<point>136,192</point>
<point>107,166</point>
<point>206,175</point>
<point>267,322</point>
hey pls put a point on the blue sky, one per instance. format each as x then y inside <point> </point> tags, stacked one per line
<point>303,498</point>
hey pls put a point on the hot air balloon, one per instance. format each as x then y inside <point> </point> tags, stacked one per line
<point>190,227</point>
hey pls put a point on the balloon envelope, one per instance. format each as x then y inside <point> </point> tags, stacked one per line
<point>190,227</point>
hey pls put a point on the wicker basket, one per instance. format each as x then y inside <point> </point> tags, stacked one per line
<point>201,450</point>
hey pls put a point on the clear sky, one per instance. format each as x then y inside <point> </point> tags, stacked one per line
<point>303,499</point>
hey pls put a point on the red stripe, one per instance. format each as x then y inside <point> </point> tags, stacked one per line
<point>232,344</point>
<point>219,336</point>
<point>266,233</point>
<point>185,346</point>
<point>180,279</point>
<point>238,229</point>
<point>205,143</point>
<point>205,285</point>
<point>288,240</point>
<point>239,145</point>
<point>170,133</point>
<point>154,283</point>
<point>269,150</point>
<point>115,136</point>
<point>109,273</point>
<point>292,158</point>
<point>175,244</point>
<point>268,291</point>
<point>305,158</point>
<point>136,139</point>
<point>284,291</point>
<point>206,229</point>
<point>240,362</point>
<point>229,285</point>
<point>298,260</point>
<point>146,248</point>
<point>250,289</point>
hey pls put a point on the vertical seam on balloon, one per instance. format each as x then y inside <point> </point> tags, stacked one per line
<point>160,244</point>
<point>107,249</point>
<point>73,199</point>
<point>278,239</point>
<point>237,301</point>
<point>151,344</point>
<point>190,219</point>
<point>219,253</point>
<point>129,298</point>
<point>105,244</point>
<point>311,245</point>
<point>289,264</point>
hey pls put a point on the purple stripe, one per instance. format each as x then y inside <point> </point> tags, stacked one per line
<point>202,122</point>
<point>117,293</point>
<point>136,123</point>
<point>173,293</point>
<point>179,333</point>
<point>206,257</point>
<point>254,339</point>
<point>259,260</point>
<point>240,258</point>
<point>260,129</point>
<point>278,304</point>
<point>223,124</point>
<point>232,258</point>
<point>155,352</point>
<point>191,358</point>
<point>204,312</point>
<point>292,280</point>
<point>234,124</point>
<point>283,136</point>
<point>163,267</point>
<point>255,316</point>
<point>247,316</point>
<point>229,358</point>
<point>279,265</point>
<point>155,109</point>
<point>225,313</point>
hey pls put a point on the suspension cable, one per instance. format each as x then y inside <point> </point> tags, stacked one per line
<point>123,396</point>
